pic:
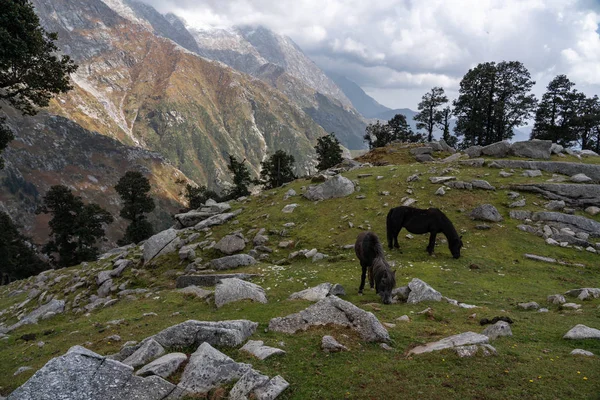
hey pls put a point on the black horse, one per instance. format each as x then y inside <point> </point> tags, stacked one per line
<point>419,221</point>
<point>370,254</point>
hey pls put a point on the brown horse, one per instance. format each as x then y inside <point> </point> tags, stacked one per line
<point>370,254</point>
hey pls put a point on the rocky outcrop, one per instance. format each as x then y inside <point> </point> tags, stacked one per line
<point>581,331</point>
<point>164,366</point>
<point>159,243</point>
<point>84,375</point>
<point>486,212</point>
<point>258,349</point>
<point>51,308</point>
<point>231,262</point>
<point>532,149</point>
<point>336,311</point>
<point>578,195</point>
<point>563,168</point>
<point>207,279</point>
<point>319,292</point>
<point>463,339</point>
<point>233,289</point>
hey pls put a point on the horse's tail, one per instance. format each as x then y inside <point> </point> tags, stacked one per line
<point>371,247</point>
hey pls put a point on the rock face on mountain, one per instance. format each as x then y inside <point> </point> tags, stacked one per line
<point>51,150</point>
<point>146,90</point>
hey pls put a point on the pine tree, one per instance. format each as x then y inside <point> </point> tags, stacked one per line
<point>133,187</point>
<point>75,227</point>
<point>329,152</point>
<point>241,178</point>
<point>197,196</point>
<point>30,69</point>
<point>429,114</point>
<point>277,170</point>
<point>380,135</point>
<point>377,135</point>
<point>444,125</point>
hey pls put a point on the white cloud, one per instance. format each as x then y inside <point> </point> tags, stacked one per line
<point>414,44</point>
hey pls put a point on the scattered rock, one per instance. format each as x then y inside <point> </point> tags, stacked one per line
<point>220,333</point>
<point>500,328</point>
<point>581,178</point>
<point>486,212</point>
<point>555,205</point>
<point>440,191</point>
<point>582,332</point>
<point>532,149</point>
<point>592,210</point>
<point>231,244</point>
<point>159,243</point>
<point>570,306</point>
<point>271,389</point>
<point>196,291</point>
<point>330,345</point>
<point>532,173</point>
<point>532,305</point>
<point>318,292</point>
<point>233,289</point>
<point>441,179</point>
<point>556,299</point>
<point>259,350</point>
<point>404,318</point>
<point>338,186</point>
<point>148,351</point>
<point>498,150</point>
<point>463,339</point>
<point>581,352</point>
<point>231,262</point>
<point>333,310</point>
<point>289,208</point>
<point>518,203</point>
<point>421,291</point>
<point>164,366</point>
<point>207,279</point>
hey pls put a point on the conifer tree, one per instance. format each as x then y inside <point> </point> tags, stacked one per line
<point>329,152</point>
<point>429,114</point>
<point>277,170</point>
<point>241,178</point>
<point>133,187</point>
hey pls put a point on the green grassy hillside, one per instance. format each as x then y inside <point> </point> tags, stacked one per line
<point>492,274</point>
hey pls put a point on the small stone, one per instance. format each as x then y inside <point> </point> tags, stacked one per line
<point>440,191</point>
<point>532,305</point>
<point>592,210</point>
<point>556,299</point>
<point>532,173</point>
<point>570,306</point>
<point>404,318</point>
<point>330,345</point>
<point>581,352</point>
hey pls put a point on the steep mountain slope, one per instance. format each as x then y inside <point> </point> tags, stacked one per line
<point>364,104</point>
<point>51,150</point>
<point>145,90</point>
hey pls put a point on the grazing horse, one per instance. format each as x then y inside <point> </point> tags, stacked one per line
<point>419,221</point>
<point>370,254</point>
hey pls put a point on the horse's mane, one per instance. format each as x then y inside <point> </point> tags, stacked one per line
<point>448,227</point>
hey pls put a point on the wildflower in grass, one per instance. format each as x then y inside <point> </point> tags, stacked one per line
<point>585,378</point>
<point>579,372</point>
<point>531,380</point>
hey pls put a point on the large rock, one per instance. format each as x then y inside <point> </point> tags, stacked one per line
<point>574,194</point>
<point>446,147</point>
<point>147,352</point>
<point>218,219</point>
<point>338,186</point>
<point>486,212</point>
<point>272,389</point>
<point>233,289</point>
<point>248,382</point>
<point>231,244</point>
<point>421,291</point>
<point>582,332</point>
<point>164,366</point>
<point>158,243</point>
<point>207,279</point>
<point>555,167</point>
<point>231,262</point>
<point>500,328</point>
<point>498,149</point>
<point>330,345</point>
<point>316,293</point>
<point>336,311</point>
<point>473,151</point>
<point>463,339</point>
<point>208,368</point>
<point>258,349</point>
<point>191,218</point>
<point>84,375</point>
<point>51,308</point>
<point>532,149</point>
<point>576,222</point>
<point>193,333</point>
<point>421,150</point>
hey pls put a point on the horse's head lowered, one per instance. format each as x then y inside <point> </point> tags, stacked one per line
<point>455,246</point>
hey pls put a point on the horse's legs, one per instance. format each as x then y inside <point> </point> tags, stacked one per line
<point>371,281</point>
<point>362,278</point>
<point>396,245</point>
<point>431,243</point>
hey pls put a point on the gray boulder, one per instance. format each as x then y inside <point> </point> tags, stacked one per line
<point>473,151</point>
<point>441,179</point>
<point>555,205</point>
<point>289,208</point>
<point>581,352</point>
<point>336,311</point>
<point>159,243</point>
<point>421,150</point>
<point>532,149</point>
<point>577,222</point>
<point>473,162</point>
<point>196,291</point>
<point>148,351</point>
<point>258,349</point>
<point>191,218</point>
<point>421,291</point>
<point>272,389</point>
<point>532,173</point>
<point>556,299</point>
<point>193,333</point>
<point>556,148</point>
<point>208,368</point>
<point>164,366</point>
<point>119,267</point>
<point>481,184</point>
<point>532,305</point>
<point>486,212</point>
<point>500,328</point>
<point>218,219</point>
<point>584,293</point>
<point>463,339</point>
<point>231,244</point>
<point>233,289</point>
<point>231,262</point>
<point>316,293</point>
<point>52,307</point>
<point>423,158</point>
<point>338,186</point>
<point>574,194</point>
<point>242,390</point>
<point>446,147</point>
<point>84,375</point>
<point>592,210</point>
<point>582,332</point>
<point>498,149</point>
<point>581,178</point>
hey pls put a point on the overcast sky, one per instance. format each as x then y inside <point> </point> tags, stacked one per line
<point>396,50</point>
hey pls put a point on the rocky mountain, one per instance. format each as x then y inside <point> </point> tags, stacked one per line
<point>51,150</point>
<point>145,90</point>
<point>364,104</point>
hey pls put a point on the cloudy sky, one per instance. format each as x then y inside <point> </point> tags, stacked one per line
<point>396,50</point>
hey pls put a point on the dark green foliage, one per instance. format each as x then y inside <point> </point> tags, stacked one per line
<point>133,187</point>
<point>444,125</point>
<point>197,196</point>
<point>493,99</point>
<point>379,135</point>
<point>31,71</point>
<point>18,259</point>
<point>241,178</point>
<point>567,116</point>
<point>329,152</point>
<point>429,114</point>
<point>74,228</point>
<point>277,170</point>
